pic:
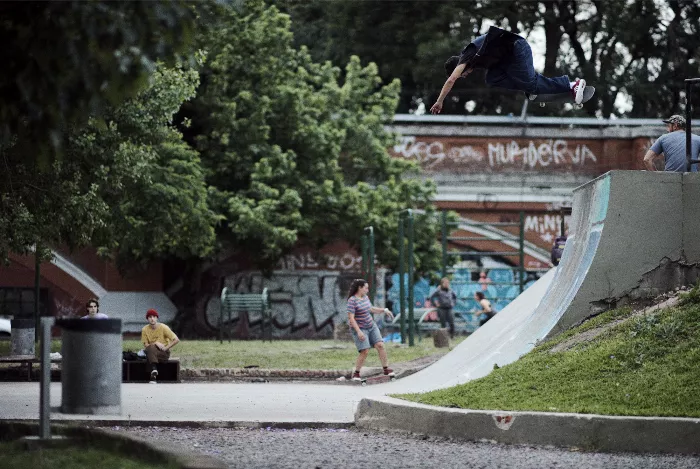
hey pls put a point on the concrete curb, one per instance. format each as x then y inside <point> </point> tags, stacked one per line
<point>124,423</point>
<point>584,431</point>
<point>123,443</point>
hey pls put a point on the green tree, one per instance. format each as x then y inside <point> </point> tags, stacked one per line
<point>294,153</point>
<point>128,185</point>
<point>154,201</point>
<point>65,63</point>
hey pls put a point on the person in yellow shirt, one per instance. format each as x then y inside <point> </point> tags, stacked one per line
<point>157,339</point>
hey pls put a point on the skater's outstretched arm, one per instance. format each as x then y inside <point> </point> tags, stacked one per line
<point>457,73</point>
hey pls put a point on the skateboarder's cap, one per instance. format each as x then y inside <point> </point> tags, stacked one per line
<point>675,119</point>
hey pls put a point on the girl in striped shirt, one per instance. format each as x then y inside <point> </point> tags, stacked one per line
<point>364,330</point>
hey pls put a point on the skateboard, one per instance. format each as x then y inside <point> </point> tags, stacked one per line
<point>543,99</point>
<point>375,379</point>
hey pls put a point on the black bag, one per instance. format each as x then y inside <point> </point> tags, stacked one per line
<point>129,356</point>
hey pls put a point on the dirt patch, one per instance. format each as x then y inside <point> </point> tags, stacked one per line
<point>667,300</point>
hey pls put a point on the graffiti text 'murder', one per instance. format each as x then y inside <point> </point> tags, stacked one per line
<point>548,153</point>
<point>552,152</point>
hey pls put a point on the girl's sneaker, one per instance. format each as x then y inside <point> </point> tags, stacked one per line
<point>356,376</point>
<point>388,372</point>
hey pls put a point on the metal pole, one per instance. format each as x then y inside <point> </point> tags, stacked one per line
<point>411,324</point>
<point>521,250</point>
<point>37,282</point>
<point>562,227</point>
<point>45,385</point>
<point>363,247</point>
<point>370,264</point>
<point>688,113</point>
<point>402,290</point>
<point>444,243</point>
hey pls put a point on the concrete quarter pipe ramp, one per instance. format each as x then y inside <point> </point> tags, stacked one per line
<point>633,234</point>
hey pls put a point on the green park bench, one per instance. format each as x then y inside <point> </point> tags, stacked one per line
<point>257,304</point>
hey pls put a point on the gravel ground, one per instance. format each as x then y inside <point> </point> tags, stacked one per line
<point>340,448</point>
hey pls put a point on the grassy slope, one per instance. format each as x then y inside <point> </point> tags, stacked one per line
<point>648,365</point>
<point>14,456</point>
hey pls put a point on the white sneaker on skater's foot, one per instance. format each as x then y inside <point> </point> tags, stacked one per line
<point>577,90</point>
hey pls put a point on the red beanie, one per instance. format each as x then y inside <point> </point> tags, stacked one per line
<point>151,312</point>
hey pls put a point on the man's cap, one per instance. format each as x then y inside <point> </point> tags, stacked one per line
<point>151,312</point>
<point>676,119</point>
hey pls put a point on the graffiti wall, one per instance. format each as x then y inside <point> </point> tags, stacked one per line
<point>305,304</point>
<point>307,294</point>
<point>477,154</point>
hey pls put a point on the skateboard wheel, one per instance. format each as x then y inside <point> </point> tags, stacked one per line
<point>364,383</point>
<point>393,378</point>
<point>578,106</point>
<point>543,104</point>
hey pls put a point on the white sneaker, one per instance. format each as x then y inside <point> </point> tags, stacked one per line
<point>577,90</point>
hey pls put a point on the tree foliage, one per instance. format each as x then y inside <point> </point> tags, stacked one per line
<point>292,152</point>
<point>129,185</point>
<point>279,150</point>
<point>65,61</point>
<point>150,182</point>
<point>631,51</point>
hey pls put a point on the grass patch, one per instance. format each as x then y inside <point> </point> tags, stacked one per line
<point>647,365</point>
<point>281,354</point>
<point>287,355</point>
<point>14,456</point>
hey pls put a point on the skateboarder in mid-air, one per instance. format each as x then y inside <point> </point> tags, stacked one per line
<point>507,58</point>
<point>364,330</point>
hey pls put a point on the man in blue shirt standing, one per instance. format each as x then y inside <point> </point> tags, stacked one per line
<point>672,146</point>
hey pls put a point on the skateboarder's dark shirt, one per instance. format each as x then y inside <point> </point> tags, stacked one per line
<point>361,309</point>
<point>468,52</point>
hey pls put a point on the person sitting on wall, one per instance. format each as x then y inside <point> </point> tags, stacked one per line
<point>93,308</point>
<point>157,339</point>
<point>672,146</point>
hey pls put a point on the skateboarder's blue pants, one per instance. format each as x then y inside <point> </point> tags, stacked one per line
<point>372,336</point>
<point>518,73</point>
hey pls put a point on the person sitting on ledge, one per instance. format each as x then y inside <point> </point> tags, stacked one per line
<point>157,339</point>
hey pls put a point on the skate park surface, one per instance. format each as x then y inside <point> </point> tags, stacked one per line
<point>632,235</point>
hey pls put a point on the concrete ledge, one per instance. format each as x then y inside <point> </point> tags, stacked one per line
<point>584,431</point>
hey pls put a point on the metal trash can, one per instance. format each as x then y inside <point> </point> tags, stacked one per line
<point>91,369</point>
<point>22,340</point>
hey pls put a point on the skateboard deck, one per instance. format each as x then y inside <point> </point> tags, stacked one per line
<point>543,99</point>
<point>374,380</point>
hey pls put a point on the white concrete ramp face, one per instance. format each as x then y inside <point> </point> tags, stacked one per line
<point>499,341</point>
<point>632,234</point>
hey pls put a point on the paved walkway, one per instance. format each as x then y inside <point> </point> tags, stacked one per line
<point>203,402</point>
